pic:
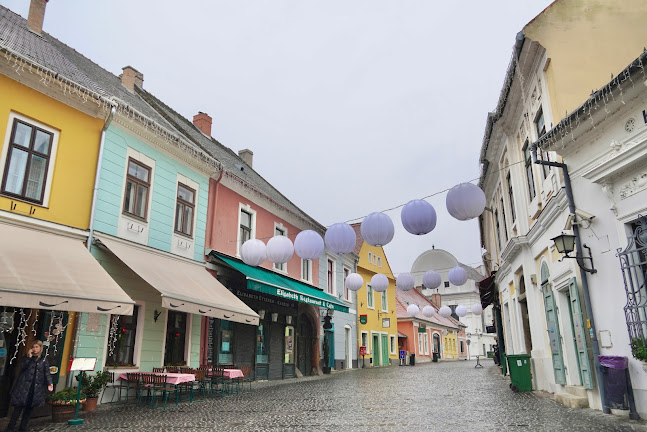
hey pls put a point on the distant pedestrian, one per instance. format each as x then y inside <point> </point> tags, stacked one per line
<point>28,390</point>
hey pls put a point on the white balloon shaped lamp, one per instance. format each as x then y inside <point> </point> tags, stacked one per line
<point>461,311</point>
<point>458,276</point>
<point>428,311</point>
<point>431,280</point>
<point>253,252</point>
<point>477,309</point>
<point>308,245</point>
<point>377,229</point>
<point>405,281</point>
<point>379,282</point>
<point>418,217</point>
<point>445,311</point>
<point>279,249</point>
<point>341,238</point>
<point>413,309</point>
<point>465,201</point>
<point>354,282</point>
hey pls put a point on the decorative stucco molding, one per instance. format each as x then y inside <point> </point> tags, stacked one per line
<point>637,184</point>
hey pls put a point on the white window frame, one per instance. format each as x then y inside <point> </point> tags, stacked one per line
<point>333,288</point>
<point>421,345</point>
<point>379,261</point>
<point>187,341</point>
<point>384,300</point>
<point>139,337</point>
<point>370,257</point>
<point>309,263</point>
<point>196,188</point>
<point>393,345</point>
<point>371,292</point>
<point>248,209</point>
<point>347,292</point>
<point>367,345</point>
<point>426,343</point>
<point>278,226</point>
<point>52,155</point>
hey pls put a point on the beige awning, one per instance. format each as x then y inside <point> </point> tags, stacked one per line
<point>185,285</point>
<point>48,271</point>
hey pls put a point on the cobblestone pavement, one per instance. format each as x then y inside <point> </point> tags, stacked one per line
<point>445,396</point>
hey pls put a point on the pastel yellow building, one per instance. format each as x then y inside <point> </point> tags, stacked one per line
<point>377,328</point>
<point>451,349</point>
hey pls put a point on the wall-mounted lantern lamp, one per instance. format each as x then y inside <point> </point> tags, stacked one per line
<point>565,244</point>
<point>275,316</point>
<point>156,314</point>
<point>261,313</point>
<point>288,319</point>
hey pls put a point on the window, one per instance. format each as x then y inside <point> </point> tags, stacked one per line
<point>346,290</point>
<point>330,284</point>
<point>121,343</point>
<point>225,349</point>
<point>175,338</point>
<point>369,297</point>
<point>305,270</point>
<point>385,305</point>
<point>392,344</point>
<point>245,229</point>
<point>497,228</point>
<point>370,258</point>
<point>379,262</point>
<point>279,232</point>
<point>508,180</point>
<point>421,342</point>
<point>262,343</point>
<point>529,177</point>
<point>544,156</point>
<point>426,339</point>
<point>446,284</point>
<point>505,223</point>
<point>365,339</point>
<point>184,210</point>
<point>27,162</point>
<point>289,344</point>
<point>462,347</point>
<point>137,186</point>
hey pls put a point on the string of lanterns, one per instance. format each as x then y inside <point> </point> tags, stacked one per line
<point>464,202</point>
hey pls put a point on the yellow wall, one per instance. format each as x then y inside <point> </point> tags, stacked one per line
<point>75,165</point>
<point>367,270</point>
<point>587,41</point>
<point>451,350</point>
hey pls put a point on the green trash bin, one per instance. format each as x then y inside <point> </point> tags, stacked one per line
<point>520,375</point>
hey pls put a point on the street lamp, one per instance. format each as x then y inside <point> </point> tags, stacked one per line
<point>565,244</point>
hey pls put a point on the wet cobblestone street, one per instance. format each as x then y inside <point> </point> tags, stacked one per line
<point>446,396</point>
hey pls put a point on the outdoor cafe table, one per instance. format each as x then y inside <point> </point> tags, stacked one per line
<point>171,378</point>
<point>232,373</point>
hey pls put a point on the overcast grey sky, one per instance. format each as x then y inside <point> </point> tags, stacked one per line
<point>349,106</point>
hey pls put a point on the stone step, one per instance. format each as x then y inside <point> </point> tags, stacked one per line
<point>576,391</point>
<point>572,401</point>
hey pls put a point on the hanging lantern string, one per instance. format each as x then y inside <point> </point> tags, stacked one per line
<point>403,204</point>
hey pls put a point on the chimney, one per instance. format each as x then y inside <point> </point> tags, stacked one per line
<point>203,122</point>
<point>130,77</point>
<point>435,299</point>
<point>247,156</point>
<point>36,15</point>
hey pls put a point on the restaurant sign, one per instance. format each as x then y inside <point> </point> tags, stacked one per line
<point>362,319</point>
<point>291,295</point>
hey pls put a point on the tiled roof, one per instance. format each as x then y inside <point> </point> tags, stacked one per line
<point>404,298</point>
<point>230,160</point>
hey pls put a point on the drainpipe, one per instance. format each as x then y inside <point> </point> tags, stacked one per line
<point>585,285</point>
<point>91,228</point>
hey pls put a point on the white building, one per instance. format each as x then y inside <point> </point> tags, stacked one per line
<point>441,261</point>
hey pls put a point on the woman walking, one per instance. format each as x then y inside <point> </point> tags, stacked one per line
<point>28,390</point>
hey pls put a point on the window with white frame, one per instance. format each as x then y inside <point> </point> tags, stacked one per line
<point>365,340</point>
<point>421,343</point>
<point>280,231</point>
<point>306,270</point>
<point>385,304</point>
<point>392,344</point>
<point>184,210</point>
<point>346,290</point>
<point>122,341</point>
<point>426,339</point>
<point>138,185</point>
<point>370,258</point>
<point>508,179</point>
<point>244,228</point>
<point>505,223</point>
<point>330,273</point>
<point>379,262</point>
<point>529,175</point>
<point>370,298</point>
<point>29,159</point>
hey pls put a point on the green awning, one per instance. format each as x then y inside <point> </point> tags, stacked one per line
<point>268,282</point>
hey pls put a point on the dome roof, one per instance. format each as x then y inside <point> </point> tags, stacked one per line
<point>434,259</point>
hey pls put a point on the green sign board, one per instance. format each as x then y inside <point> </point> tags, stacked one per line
<point>362,319</point>
<point>291,295</point>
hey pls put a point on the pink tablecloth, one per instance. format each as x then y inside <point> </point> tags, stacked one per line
<point>171,378</point>
<point>232,373</point>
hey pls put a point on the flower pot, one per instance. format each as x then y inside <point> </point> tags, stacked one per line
<point>61,413</point>
<point>90,404</point>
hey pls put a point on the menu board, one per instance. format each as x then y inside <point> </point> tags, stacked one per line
<point>82,364</point>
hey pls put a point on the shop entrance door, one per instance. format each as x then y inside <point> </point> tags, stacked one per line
<point>385,351</point>
<point>375,350</point>
<point>347,347</point>
<point>552,324</point>
<point>304,346</point>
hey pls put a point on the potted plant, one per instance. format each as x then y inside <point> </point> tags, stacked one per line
<point>63,404</point>
<point>326,355</point>
<point>92,386</point>
<point>639,351</point>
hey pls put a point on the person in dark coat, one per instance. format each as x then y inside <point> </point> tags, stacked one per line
<point>28,391</point>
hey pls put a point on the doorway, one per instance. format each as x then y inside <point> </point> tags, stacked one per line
<point>304,346</point>
<point>347,348</point>
<point>437,344</point>
<point>525,320</point>
<point>385,351</point>
<point>375,350</point>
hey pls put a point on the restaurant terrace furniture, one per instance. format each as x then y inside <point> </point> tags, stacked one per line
<point>132,382</point>
<point>161,386</point>
<point>145,385</point>
<point>159,370</point>
<point>245,379</point>
<point>232,378</point>
<point>116,386</point>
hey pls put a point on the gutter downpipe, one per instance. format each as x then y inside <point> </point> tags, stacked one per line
<point>585,285</point>
<point>97,177</point>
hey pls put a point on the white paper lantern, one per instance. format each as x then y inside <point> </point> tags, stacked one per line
<point>253,252</point>
<point>477,309</point>
<point>341,238</point>
<point>379,282</point>
<point>458,276</point>
<point>418,217</point>
<point>445,311</point>
<point>377,229</point>
<point>308,245</point>
<point>461,310</point>
<point>413,309</point>
<point>465,201</point>
<point>354,282</point>
<point>428,311</point>
<point>279,249</point>
<point>405,281</point>
<point>431,280</point>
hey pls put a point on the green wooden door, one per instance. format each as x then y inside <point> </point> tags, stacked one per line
<point>385,350</point>
<point>553,334</point>
<point>577,319</point>
<point>375,350</point>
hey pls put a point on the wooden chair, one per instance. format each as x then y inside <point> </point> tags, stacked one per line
<point>158,370</point>
<point>172,369</point>
<point>247,372</point>
<point>163,388</point>
<point>145,385</point>
<point>218,384</point>
<point>116,386</point>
